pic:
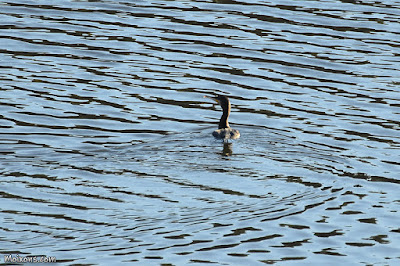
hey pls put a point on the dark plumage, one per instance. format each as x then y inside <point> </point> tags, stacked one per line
<point>224,131</point>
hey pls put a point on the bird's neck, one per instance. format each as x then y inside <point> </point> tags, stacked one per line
<point>223,122</point>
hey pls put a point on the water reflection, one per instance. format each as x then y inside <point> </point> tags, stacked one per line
<point>106,144</point>
<point>227,149</point>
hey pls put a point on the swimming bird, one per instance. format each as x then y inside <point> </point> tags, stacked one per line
<point>224,131</point>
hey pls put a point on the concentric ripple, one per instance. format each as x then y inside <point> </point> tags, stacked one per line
<point>105,138</point>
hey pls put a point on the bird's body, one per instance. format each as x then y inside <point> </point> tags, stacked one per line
<point>224,131</point>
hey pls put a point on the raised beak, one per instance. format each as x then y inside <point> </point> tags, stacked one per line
<point>212,98</point>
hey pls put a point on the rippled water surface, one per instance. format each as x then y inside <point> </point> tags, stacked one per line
<point>106,148</point>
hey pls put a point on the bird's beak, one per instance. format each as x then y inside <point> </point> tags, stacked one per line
<point>212,98</point>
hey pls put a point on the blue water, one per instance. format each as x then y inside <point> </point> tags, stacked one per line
<point>106,152</point>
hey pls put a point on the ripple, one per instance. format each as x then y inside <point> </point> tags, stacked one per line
<point>106,139</point>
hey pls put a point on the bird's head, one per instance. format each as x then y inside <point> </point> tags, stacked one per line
<point>221,99</point>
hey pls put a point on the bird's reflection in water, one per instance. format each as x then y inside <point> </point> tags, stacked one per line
<point>227,150</point>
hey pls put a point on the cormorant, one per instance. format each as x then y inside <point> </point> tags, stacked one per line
<point>224,131</point>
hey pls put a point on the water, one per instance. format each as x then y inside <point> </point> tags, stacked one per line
<point>106,148</point>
